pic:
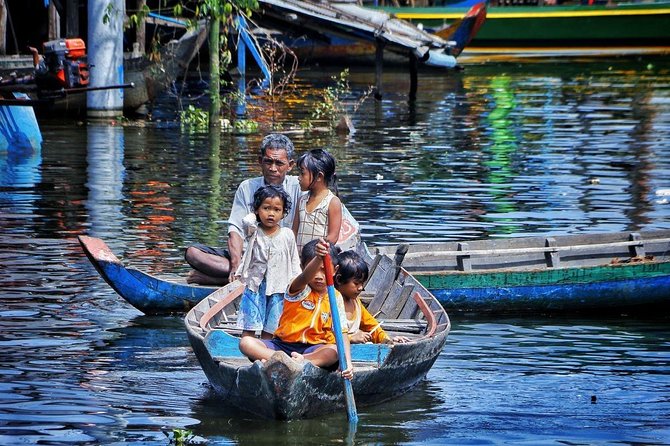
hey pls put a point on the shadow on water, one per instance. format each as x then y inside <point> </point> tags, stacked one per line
<point>394,422</point>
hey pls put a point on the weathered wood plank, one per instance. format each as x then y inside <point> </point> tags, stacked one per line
<point>390,302</point>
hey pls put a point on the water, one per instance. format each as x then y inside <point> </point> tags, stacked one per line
<point>496,150</point>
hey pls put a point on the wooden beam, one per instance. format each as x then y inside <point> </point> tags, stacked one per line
<point>553,258</point>
<point>463,261</point>
<point>3,27</point>
<point>54,22</point>
<point>636,250</point>
<point>413,76</point>
<point>72,18</point>
<point>379,65</point>
<point>490,252</point>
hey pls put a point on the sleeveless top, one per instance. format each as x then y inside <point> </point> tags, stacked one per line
<point>312,224</point>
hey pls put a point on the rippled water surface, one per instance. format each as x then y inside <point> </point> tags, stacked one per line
<point>495,150</point>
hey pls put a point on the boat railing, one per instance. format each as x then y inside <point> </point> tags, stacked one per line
<point>232,291</point>
<point>463,251</point>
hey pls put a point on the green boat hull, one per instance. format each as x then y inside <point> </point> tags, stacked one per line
<point>641,285</point>
<point>623,25</point>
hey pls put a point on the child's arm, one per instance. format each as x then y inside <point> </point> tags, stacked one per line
<point>348,372</point>
<point>296,222</point>
<point>370,325</point>
<point>334,220</point>
<point>299,283</point>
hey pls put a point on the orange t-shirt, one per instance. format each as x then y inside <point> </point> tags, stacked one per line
<point>306,318</point>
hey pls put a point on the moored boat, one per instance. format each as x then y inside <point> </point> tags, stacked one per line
<point>571,29</point>
<point>563,273</point>
<point>590,272</point>
<point>283,388</point>
<point>344,32</point>
<point>147,293</point>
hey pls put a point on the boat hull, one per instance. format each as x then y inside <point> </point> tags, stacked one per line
<point>592,272</point>
<point>633,25</point>
<point>283,388</point>
<point>147,293</point>
<point>616,287</point>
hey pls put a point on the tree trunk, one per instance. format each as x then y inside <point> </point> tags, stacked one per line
<point>214,74</point>
<point>141,32</point>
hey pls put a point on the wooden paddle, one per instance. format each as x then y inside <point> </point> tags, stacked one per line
<point>339,341</point>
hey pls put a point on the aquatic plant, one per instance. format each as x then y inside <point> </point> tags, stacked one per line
<point>183,437</point>
<point>194,118</point>
<point>332,106</point>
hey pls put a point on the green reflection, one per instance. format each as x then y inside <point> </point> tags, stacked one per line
<point>498,156</point>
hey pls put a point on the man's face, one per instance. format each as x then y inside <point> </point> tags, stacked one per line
<point>275,165</point>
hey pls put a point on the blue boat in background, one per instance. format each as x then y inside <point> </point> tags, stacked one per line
<point>19,129</point>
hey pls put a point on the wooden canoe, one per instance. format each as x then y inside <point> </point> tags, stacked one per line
<point>147,293</point>
<point>562,273</point>
<point>282,388</point>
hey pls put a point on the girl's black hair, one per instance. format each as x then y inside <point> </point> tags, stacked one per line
<point>271,191</point>
<point>320,161</point>
<point>351,267</point>
<point>309,252</point>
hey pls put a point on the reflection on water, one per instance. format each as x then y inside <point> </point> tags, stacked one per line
<point>490,151</point>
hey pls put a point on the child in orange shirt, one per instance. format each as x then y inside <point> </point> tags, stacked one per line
<point>306,328</point>
<point>350,277</point>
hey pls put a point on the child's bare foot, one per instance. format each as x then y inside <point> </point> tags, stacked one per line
<point>297,357</point>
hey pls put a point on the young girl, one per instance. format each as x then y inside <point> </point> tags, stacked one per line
<point>269,264</point>
<point>306,327</point>
<point>319,212</point>
<point>350,277</point>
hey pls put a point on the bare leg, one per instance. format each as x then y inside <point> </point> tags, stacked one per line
<point>248,333</point>
<point>209,269</point>
<point>322,357</point>
<point>254,349</point>
<point>266,335</point>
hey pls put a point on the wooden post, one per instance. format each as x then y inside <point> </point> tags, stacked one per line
<point>413,77</point>
<point>54,22</point>
<point>553,259</point>
<point>3,27</point>
<point>636,251</point>
<point>464,263</point>
<point>400,252</point>
<point>72,18</point>
<point>141,31</point>
<point>379,65</point>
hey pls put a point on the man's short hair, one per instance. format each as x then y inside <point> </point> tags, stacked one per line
<point>277,141</point>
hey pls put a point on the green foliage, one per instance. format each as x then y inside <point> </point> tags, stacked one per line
<point>332,105</point>
<point>184,437</point>
<point>109,14</point>
<point>194,118</point>
<point>245,126</point>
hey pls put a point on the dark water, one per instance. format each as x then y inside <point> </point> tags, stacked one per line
<point>497,150</point>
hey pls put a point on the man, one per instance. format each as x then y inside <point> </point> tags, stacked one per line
<point>214,266</point>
